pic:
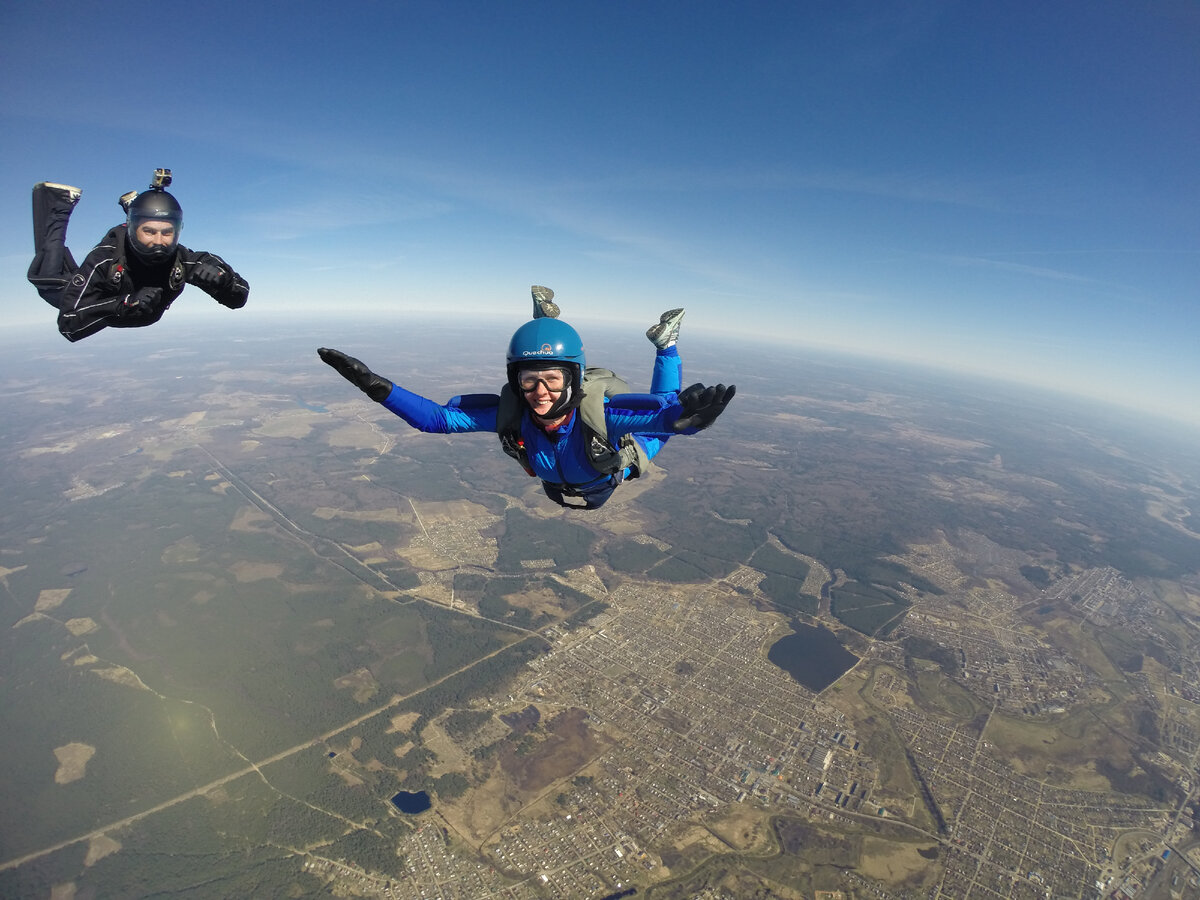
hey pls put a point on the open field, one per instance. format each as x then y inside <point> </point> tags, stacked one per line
<point>248,620</point>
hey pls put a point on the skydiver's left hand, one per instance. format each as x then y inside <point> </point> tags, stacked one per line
<point>701,405</point>
<point>210,277</point>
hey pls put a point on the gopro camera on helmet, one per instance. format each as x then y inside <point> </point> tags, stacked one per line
<point>158,182</point>
<point>158,213</point>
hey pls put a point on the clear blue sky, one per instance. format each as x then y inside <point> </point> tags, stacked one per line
<point>1008,188</point>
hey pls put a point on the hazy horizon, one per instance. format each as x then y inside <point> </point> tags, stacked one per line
<point>1007,189</point>
<point>601,336</point>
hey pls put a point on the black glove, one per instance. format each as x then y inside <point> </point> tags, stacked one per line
<point>210,277</point>
<point>701,405</point>
<point>374,386</point>
<point>142,302</point>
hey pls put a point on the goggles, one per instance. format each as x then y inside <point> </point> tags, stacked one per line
<point>554,380</point>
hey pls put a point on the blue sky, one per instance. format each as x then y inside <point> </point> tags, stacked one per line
<point>1008,189</point>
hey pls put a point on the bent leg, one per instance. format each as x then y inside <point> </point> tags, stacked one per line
<point>667,375</point>
<point>591,500</point>
<point>53,265</point>
<point>597,498</point>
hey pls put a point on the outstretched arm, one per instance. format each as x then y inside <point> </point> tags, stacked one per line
<point>475,412</point>
<point>216,278</point>
<point>693,409</point>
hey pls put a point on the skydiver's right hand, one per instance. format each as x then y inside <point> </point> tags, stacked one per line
<point>374,386</point>
<point>142,302</point>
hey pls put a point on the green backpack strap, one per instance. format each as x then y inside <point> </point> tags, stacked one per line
<point>632,456</point>
<point>508,427</point>
<point>599,384</point>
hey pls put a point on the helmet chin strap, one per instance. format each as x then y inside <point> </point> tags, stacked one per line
<point>152,256</point>
<point>562,405</point>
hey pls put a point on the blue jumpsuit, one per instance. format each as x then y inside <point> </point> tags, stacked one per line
<point>559,458</point>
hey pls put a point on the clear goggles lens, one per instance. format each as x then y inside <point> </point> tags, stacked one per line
<point>555,380</point>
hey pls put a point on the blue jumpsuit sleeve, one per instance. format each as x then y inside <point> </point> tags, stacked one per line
<point>641,414</point>
<point>473,412</point>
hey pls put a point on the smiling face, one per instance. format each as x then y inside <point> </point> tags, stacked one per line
<point>155,233</point>
<point>542,388</point>
<point>153,240</point>
<point>155,219</point>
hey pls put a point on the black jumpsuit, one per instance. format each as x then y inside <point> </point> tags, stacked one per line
<point>93,296</point>
<point>96,295</point>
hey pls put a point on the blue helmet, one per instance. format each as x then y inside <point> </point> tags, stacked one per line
<point>548,343</point>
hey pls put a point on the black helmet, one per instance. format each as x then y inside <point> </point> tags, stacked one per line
<point>155,205</point>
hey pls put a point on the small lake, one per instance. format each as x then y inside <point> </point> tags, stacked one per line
<point>812,656</point>
<point>412,802</point>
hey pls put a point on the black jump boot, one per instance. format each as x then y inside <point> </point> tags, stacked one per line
<point>53,265</point>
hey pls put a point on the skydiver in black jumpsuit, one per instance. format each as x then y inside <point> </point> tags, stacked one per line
<point>134,274</point>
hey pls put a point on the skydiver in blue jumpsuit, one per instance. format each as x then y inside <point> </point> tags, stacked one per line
<point>545,369</point>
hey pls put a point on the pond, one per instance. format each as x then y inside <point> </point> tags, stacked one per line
<point>412,802</point>
<point>812,656</point>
